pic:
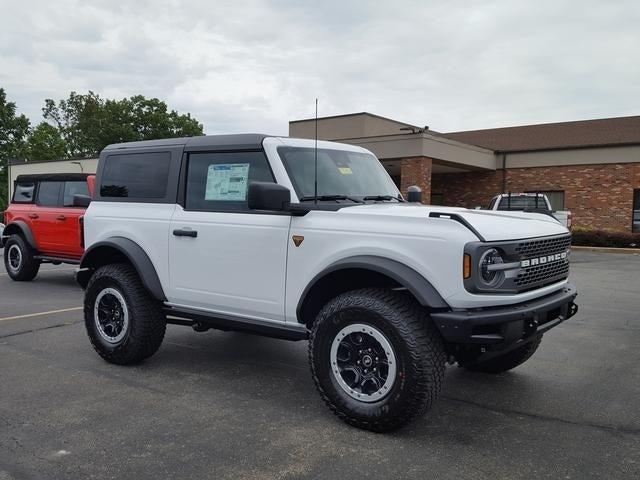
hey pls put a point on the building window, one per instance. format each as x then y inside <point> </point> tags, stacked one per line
<point>556,198</point>
<point>635,226</point>
<point>436,199</point>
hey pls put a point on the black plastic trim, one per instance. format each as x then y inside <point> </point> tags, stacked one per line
<point>406,276</point>
<point>242,324</point>
<point>53,259</point>
<point>458,326</point>
<point>24,228</point>
<point>459,219</point>
<point>134,253</point>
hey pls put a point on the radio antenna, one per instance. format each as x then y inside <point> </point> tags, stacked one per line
<point>315,161</point>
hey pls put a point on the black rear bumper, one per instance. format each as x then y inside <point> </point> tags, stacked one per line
<point>509,324</point>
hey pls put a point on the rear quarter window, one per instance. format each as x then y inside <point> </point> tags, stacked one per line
<point>23,192</point>
<point>136,175</point>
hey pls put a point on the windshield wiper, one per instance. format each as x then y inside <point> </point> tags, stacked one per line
<point>331,197</point>
<point>381,198</point>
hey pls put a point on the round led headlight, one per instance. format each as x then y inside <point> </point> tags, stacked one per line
<point>489,276</point>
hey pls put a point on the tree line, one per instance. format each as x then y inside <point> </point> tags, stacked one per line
<point>81,125</point>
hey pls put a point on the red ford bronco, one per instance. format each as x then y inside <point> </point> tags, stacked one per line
<point>43,222</point>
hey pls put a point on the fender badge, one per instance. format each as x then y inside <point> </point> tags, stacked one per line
<point>297,240</point>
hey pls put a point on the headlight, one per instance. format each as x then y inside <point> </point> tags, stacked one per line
<point>489,275</point>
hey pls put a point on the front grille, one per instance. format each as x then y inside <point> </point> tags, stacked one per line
<point>547,246</point>
<point>543,273</point>
<point>535,263</point>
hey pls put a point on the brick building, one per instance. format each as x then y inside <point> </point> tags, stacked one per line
<point>590,167</point>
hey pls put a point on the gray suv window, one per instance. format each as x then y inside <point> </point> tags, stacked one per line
<point>136,175</point>
<point>219,181</point>
<point>24,192</point>
<point>48,194</point>
<point>71,189</point>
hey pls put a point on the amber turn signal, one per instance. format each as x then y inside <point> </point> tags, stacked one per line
<point>466,266</point>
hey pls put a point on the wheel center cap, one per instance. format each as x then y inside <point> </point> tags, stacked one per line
<point>367,361</point>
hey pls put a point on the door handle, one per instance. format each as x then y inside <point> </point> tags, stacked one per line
<point>185,233</point>
<point>34,215</point>
<point>61,217</point>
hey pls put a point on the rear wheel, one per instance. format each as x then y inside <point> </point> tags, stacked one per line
<point>124,322</point>
<point>19,261</point>
<point>376,358</point>
<point>507,361</point>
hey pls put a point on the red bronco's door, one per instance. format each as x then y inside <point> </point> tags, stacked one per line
<point>69,218</point>
<point>44,218</point>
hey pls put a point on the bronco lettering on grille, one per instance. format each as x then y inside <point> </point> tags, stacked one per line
<point>544,259</point>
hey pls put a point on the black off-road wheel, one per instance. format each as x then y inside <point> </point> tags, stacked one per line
<point>124,322</point>
<point>376,358</point>
<point>19,261</point>
<point>507,361</point>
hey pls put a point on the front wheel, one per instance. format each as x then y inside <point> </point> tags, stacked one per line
<point>124,322</point>
<point>19,261</point>
<point>376,358</point>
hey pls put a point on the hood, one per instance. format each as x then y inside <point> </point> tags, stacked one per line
<point>491,225</point>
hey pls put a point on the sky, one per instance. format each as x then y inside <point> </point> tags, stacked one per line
<point>251,66</point>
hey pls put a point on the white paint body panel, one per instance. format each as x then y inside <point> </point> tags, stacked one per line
<point>246,264</point>
<point>147,224</point>
<point>236,265</point>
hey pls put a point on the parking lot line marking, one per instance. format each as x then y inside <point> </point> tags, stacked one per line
<point>39,314</point>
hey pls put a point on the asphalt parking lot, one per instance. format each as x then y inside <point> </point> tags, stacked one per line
<point>230,405</point>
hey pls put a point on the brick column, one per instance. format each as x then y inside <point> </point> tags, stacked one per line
<point>416,171</point>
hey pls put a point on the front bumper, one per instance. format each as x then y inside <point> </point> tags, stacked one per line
<point>507,325</point>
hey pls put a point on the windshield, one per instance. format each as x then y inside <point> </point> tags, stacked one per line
<point>521,202</point>
<point>340,173</point>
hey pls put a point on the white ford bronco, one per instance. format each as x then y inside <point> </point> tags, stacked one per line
<point>278,237</point>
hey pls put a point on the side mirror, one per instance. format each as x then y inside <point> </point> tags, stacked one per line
<point>414,194</point>
<point>268,196</point>
<point>81,201</point>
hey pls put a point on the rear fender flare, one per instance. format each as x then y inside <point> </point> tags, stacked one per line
<point>20,228</point>
<point>98,255</point>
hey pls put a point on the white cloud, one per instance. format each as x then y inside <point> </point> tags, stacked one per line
<point>254,65</point>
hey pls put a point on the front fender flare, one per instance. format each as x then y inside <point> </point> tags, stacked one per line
<point>94,257</point>
<point>420,287</point>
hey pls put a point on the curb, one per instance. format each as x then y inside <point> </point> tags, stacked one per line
<point>628,251</point>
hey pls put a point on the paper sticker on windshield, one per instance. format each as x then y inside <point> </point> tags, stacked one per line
<point>345,170</point>
<point>227,181</point>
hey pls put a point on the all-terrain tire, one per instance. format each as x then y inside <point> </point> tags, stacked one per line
<point>146,323</point>
<point>418,348</point>
<point>507,361</point>
<point>19,259</point>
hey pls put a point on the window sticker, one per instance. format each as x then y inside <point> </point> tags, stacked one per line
<point>227,181</point>
<point>345,170</point>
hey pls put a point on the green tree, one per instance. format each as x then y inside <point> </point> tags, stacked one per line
<point>13,131</point>
<point>45,143</point>
<point>88,123</point>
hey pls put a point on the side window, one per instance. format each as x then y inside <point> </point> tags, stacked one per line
<point>492,204</point>
<point>219,181</point>
<point>136,175</point>
<point>24,192</point>
<point>48,194</point>
<point>71,189</point>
